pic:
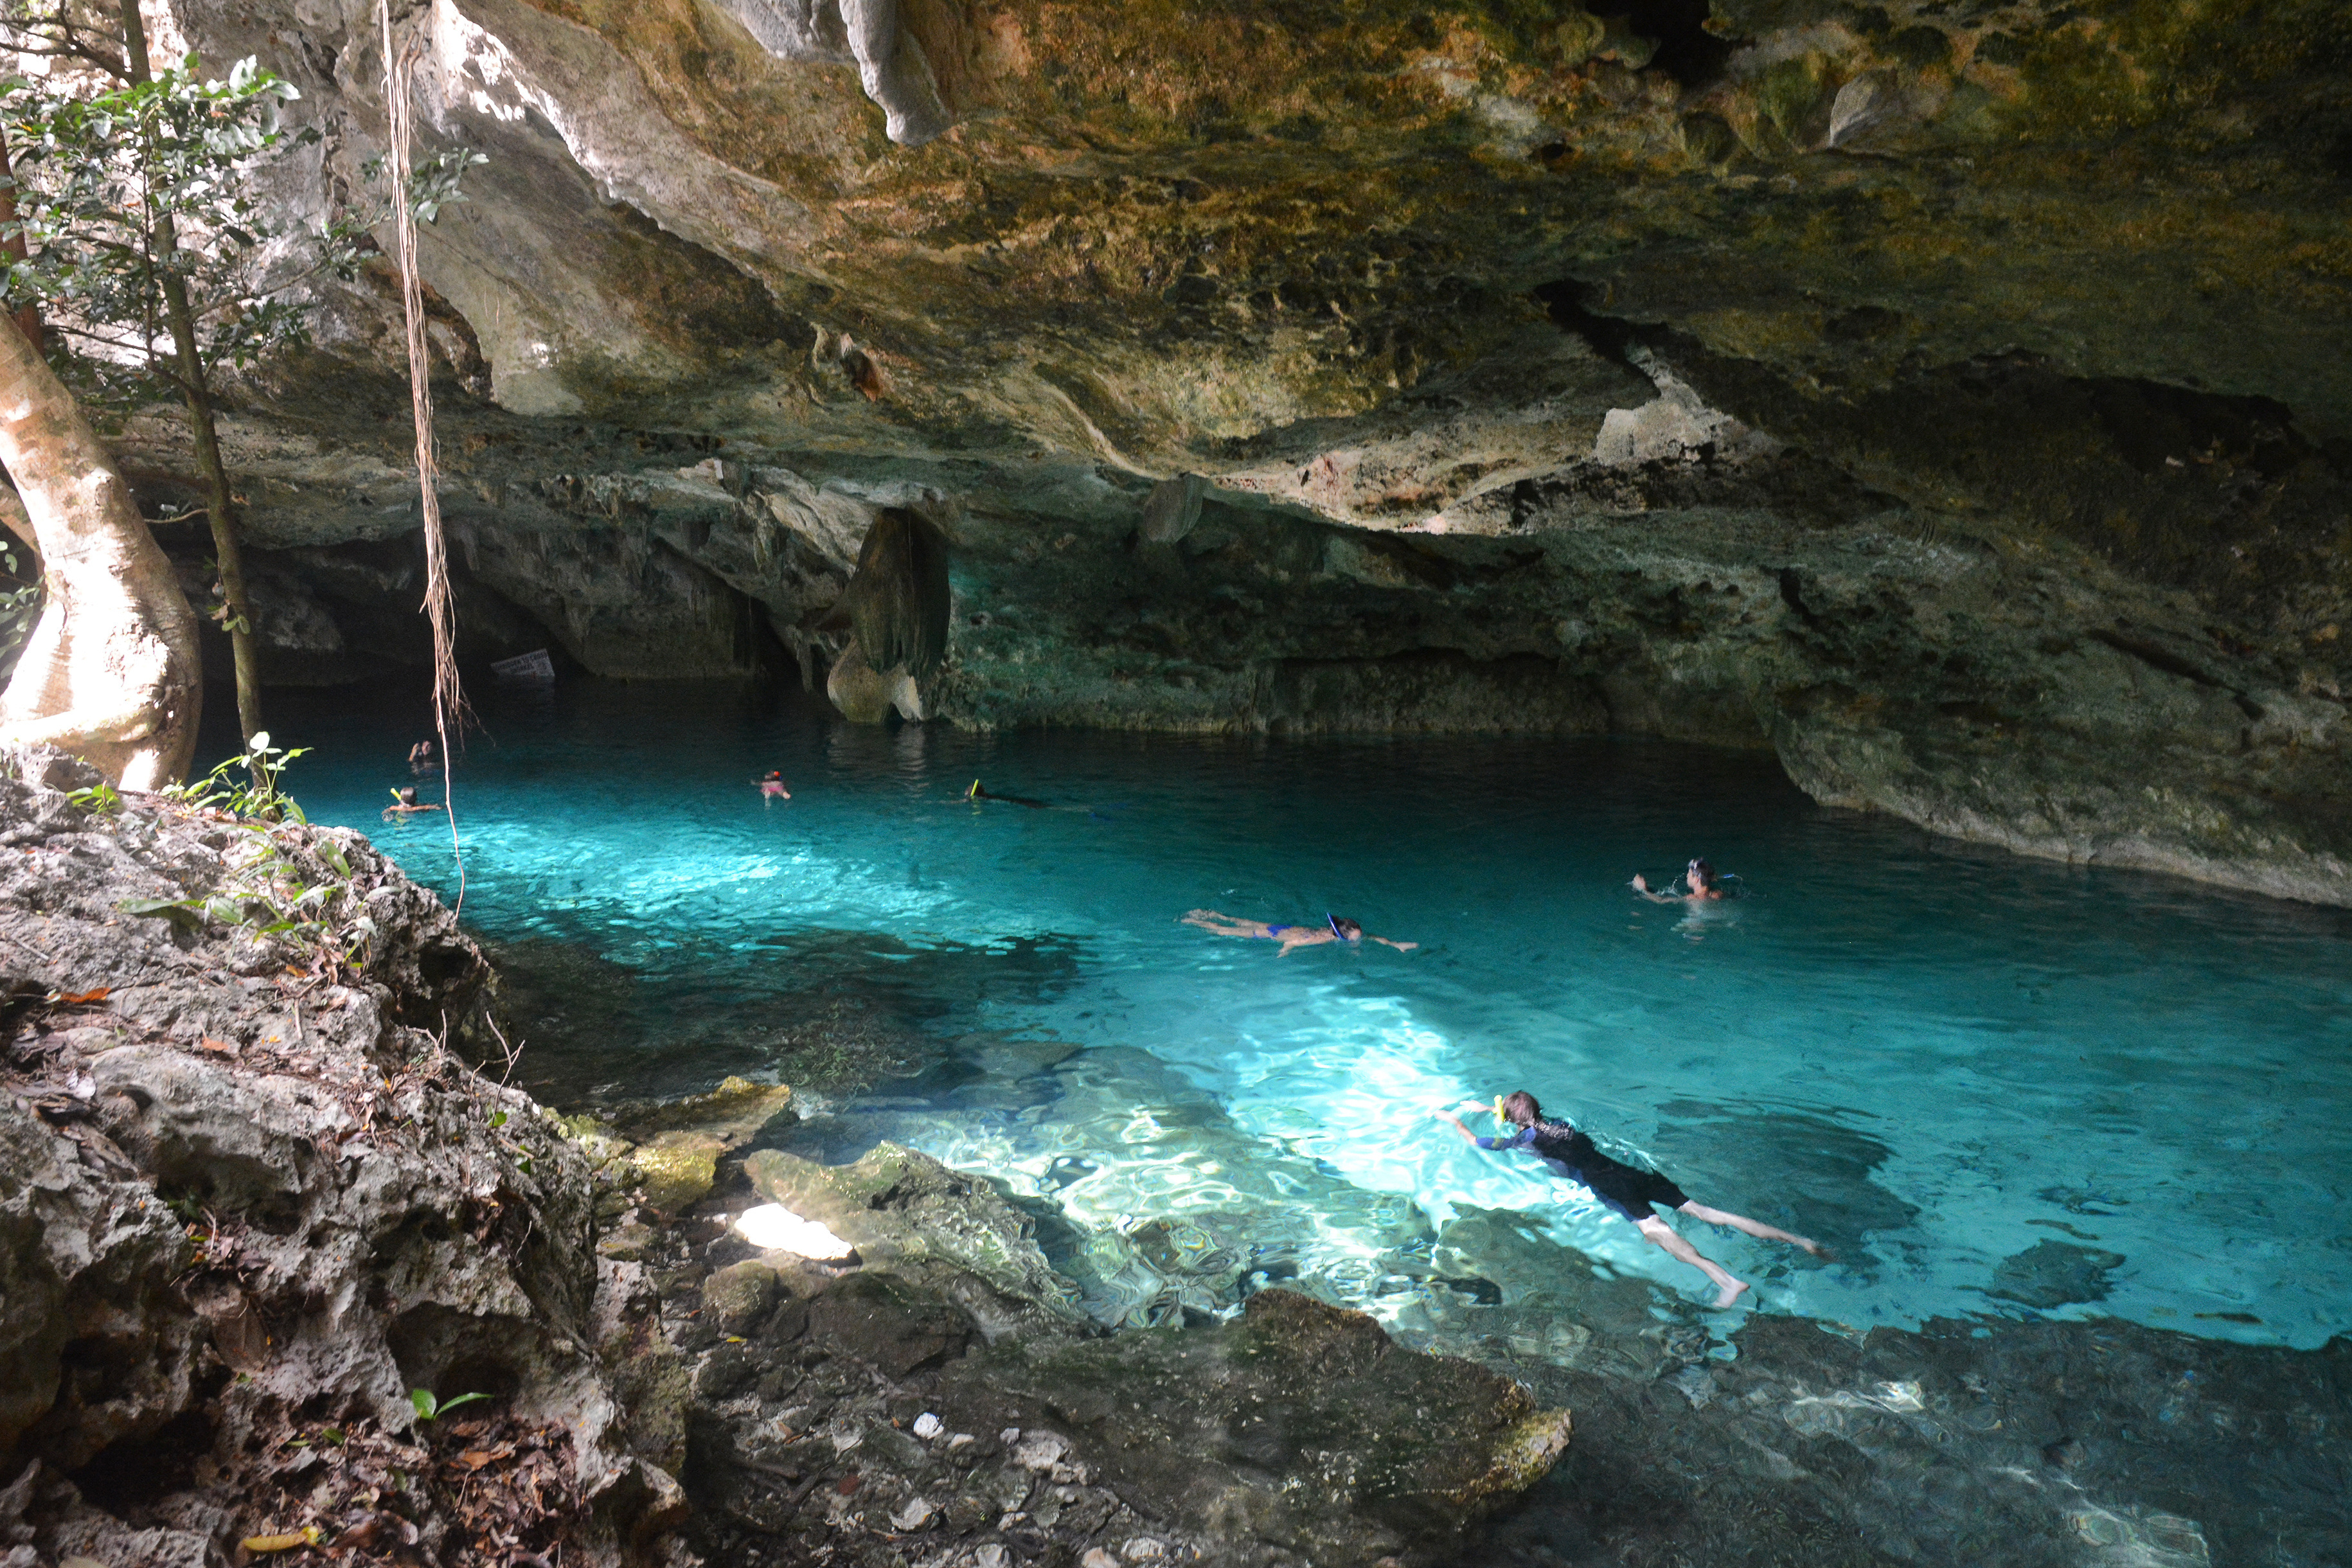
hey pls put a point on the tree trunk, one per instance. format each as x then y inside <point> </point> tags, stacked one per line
<point>29,322</point>
<point>195,394</point>
<point>112,671</point>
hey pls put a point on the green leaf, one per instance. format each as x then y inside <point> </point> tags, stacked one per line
<point>498,1119</point>
<point>426,1406</point>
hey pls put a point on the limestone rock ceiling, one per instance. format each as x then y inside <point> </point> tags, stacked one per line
<point>1953,395</point>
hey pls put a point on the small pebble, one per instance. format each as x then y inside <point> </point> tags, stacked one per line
<point>993,1555</point>
<point>927,1426</point>
<point>1144,1548</point>
<point>1097,1558</point>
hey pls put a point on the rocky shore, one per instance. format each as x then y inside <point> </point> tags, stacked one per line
<point>289,1278</point>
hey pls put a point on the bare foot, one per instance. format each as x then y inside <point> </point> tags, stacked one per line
<point>1730,1293</point>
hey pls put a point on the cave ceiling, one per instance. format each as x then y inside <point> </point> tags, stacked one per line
<point>1954,396</point>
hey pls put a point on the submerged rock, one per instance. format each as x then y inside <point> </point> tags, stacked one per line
<point>1299,1429</point>
<point>908,1214</point>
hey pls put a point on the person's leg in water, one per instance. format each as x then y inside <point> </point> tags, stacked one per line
<point>1668,1241</point>
<point>1225,925</point>
<point>1755,1228</point>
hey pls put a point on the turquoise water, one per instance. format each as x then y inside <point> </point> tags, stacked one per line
<point>1996,1087</point>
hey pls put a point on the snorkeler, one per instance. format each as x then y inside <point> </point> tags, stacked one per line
<point>1626,1189</point>
<point>404,802</point>
<point>771,788</point>
<point>1704,885</point>
<point>977,793</point>
<point>1335,928</point>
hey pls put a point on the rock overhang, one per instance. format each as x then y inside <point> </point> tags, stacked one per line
<point>2061,289</point>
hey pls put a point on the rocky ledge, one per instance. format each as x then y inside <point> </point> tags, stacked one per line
<point>286,1275</point>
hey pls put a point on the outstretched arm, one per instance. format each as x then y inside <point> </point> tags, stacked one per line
<point>1642,888</point>
<point>1455,1118</point>
<point>1400,946</point>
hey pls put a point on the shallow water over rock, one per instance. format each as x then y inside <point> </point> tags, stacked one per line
<point>1998,1089</point>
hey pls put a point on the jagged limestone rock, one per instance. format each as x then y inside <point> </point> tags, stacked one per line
<point>240,1197</point>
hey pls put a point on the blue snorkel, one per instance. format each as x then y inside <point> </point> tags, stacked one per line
<point>1333,920</point>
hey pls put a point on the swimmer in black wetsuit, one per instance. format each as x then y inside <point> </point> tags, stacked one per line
<point>1335,928</point>
<point>1626,1189</point>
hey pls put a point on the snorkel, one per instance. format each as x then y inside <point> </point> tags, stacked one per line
<point>1346,931</point>
<point>1502,1122</point>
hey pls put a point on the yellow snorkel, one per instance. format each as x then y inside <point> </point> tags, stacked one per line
<point>1502,1122</point>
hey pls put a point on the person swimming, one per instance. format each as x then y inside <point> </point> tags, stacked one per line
<point>1335,928</point>
<point>771,788</point>
<point>1704,885</point>
<point>404,802</point>
<point>1628,1191</point>
<point>420,756</point>
<point>977,793</point>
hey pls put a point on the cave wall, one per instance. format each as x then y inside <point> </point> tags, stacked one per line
<point>1953,399</point>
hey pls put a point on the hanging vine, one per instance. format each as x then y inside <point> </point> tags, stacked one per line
<point>449,710</point>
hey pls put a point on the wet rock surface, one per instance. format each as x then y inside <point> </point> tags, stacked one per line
<point>2015,1440</point>
<point>940,1397</point>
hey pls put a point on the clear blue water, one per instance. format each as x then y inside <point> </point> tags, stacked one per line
<point>1934,1058</point>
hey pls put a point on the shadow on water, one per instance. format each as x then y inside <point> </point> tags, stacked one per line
<point>832,1011</point>
<point>1801,1170</point>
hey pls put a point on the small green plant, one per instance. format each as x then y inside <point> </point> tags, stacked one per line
<point>98,799</point>
<point>429,1409</point>
<point>270,894</point>
<point>259,796</point>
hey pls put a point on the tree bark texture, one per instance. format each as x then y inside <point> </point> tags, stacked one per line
<point>112,671</point>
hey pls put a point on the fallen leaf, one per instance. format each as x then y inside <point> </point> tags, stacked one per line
<point>84,998</point>
<point>226,1048</point>
<point>309,1535</point>
<point>847,1484</point>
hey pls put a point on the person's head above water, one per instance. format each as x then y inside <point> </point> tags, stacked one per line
<point>408,794</point>
<point>1345,929</point>
<point>1700,872</point>
<point>1521,1110</point>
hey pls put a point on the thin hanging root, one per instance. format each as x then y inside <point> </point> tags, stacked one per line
<point>450,710</point>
